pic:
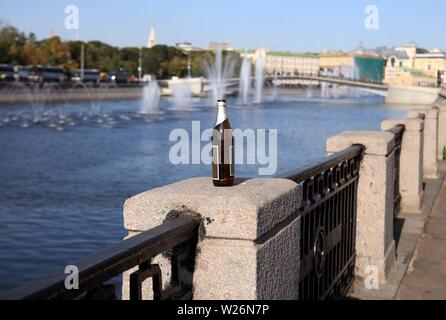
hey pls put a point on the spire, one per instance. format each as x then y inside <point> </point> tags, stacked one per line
<point>152,38</point>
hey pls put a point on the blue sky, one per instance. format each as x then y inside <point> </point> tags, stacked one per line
<point>293,25</point>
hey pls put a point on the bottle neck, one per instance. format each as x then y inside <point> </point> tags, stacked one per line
<point>222,115</point>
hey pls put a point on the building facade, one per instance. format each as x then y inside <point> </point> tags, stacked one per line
<point>410,50</point>
<point>431,63</point>
<point>333,60</point>
<point>213,46</point>
<point>289,64</point>
<point>408,77</point>
<point>362,65</point>
<point>411,66</point>
<point>187,47</point>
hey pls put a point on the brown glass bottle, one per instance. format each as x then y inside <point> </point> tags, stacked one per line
<point>222,149</point>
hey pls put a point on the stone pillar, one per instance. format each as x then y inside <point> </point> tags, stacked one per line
<point>411,163</point>
<point>441,106</point>
<point>249,244</point>
<point>375,245</point>
<point>430,144</point>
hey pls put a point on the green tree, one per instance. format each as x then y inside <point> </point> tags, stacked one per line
<point>32,55</point>
<point>57,52</point>
<point>11,42</point>
<point>161,60</point>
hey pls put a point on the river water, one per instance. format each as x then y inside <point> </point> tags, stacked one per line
<point>62,189</point>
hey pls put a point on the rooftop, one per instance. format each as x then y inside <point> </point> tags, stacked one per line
<point>441,55</point>
<point>293,54</point>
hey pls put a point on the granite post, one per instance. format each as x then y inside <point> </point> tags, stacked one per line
<point>441,106</point>
<point>249,244</point>
<point>375,245</point>
<point>411,163</point>
<point>430,144</point>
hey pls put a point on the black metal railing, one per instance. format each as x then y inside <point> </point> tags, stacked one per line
<point>176,238</point>
<point>328,224</point>
<point>398,131</point>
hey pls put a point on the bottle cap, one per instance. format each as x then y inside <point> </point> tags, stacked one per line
<point>221,103</point>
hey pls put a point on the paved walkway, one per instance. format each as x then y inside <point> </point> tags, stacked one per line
<point>426,275</point>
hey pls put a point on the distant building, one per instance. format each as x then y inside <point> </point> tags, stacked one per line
<point>289,63</point>
<point>212,46</point>
<point>330,60</point>
<point>432,63</point>
<point>408,77</point>
<point>151,42</point>
<point>359,65</point>
<point>396,62</point>
<point>411,65</point>
<point>187,47</point>
<point>411,50</point>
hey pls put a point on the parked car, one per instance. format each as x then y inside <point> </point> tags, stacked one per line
<point>6,72</point>
<point>118,77</point>
<point>90,75</point>
<point>47,74</point>
<point>22,73</point>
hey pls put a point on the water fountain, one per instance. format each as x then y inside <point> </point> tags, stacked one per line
<point>96,95</point>
<point>324,85</point>
<point>245,80</point>
<point>218,74</point>
<point>37,112</point>
<point>38,96</point>
<point>260,66</point>
<point>150,98</point>
<point>309,91</point>
<point>181,94</point>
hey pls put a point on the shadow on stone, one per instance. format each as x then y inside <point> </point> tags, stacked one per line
<point>398,224</point>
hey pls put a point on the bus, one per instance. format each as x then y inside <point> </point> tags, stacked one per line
<point>6,72</point>
<point>118,77</point>
<point>22,73</point>
<point>42,74</point>
<point>90,75</point>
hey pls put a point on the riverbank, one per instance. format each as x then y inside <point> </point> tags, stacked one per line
<point>136,93</point>
<point>70,95</point>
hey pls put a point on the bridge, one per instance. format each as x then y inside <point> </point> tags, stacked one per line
<point>394,94</point>
<point>340,81</point>
<point>334,80</point>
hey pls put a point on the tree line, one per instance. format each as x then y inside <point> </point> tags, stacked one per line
<point>163,61</point>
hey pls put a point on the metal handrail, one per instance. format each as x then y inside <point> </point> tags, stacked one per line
<point>328,224</point>
<point>398,132</point>
<point>112,262</point>
<point>322,165</point>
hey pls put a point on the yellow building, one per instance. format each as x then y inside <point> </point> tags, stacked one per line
<point>408,77</point>
<point>431,63</point>
<point>358,65</point>
<point>289,63</point>
<point>410,50</point>
<point>331,60</point>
